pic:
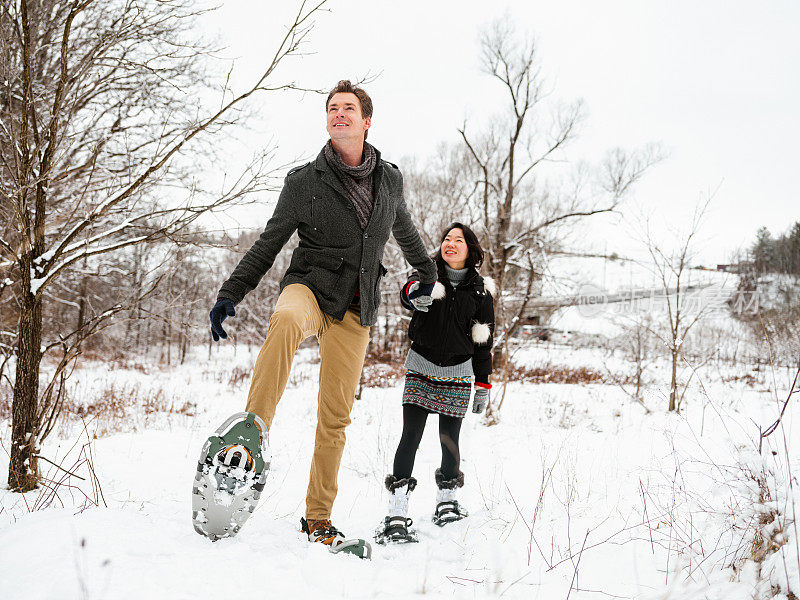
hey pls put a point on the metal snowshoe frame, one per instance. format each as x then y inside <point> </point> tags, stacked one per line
<point>361,548</point>
<point>231,473</point>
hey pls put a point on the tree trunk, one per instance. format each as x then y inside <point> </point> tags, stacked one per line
<point>184,341</point>
<point>385,326</point>
<point>167,332</point>
<point>23,472</point>
<point>673,384</point>
<point>82,300</point>
<point>81,308</point>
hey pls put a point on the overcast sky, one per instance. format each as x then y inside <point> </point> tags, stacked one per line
<point>716,82</point>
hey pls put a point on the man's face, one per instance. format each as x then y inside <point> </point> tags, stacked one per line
<point>344,117</point>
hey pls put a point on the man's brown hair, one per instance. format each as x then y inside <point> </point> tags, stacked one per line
<point>346,87</point>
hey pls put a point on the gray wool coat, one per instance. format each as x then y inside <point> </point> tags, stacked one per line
<point>335,256</point>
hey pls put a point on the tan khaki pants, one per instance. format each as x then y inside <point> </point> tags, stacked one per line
<point>342,345</point>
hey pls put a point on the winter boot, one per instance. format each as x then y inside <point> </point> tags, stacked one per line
<point>447,507</point>
<point>322,531</point>
<point>395,526</point>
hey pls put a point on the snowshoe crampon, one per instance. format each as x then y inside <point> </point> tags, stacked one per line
<point>230,476</point>
<point>323,532</point>
<point>395,530</point>
<point>448,512</point>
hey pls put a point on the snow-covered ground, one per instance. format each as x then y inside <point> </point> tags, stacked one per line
<point>577,493</point>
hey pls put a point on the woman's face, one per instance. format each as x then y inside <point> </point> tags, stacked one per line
<point>454,249</point>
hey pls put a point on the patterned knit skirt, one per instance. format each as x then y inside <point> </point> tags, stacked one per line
<point>444,395</point>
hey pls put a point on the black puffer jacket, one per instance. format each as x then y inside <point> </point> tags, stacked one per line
<point>459,323</point>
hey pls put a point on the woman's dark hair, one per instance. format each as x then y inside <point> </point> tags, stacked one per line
<point>475,255</point>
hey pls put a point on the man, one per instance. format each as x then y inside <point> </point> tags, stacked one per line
<point>344,205</point>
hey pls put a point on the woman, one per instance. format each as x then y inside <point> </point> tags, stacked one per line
<point>451,342</point>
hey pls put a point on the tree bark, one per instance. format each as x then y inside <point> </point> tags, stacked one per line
<point>23,473</point>
<point>673,386</point>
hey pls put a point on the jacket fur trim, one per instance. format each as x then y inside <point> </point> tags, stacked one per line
<point>490,286</point>
<point>481,333</point>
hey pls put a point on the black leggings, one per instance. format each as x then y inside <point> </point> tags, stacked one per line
<point>413,425</point>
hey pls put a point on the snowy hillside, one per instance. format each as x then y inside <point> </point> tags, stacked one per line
<point>565,274</point>
<point>606,297</point>
<point>577,493</point>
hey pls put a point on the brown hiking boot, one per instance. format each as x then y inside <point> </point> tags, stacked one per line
<point>321,530</point>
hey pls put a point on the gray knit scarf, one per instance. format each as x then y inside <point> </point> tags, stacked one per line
<point>358,181</point>
<point>455,276</point>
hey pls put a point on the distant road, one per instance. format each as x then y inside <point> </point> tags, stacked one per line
<point>711,293</point>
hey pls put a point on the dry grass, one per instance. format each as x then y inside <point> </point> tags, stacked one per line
<point>553,373</point>
<point>747,379</point>
<point>118,360</point>
<point>771,532</point>
<point>382,369</point>
<point>121,407</point>
<point>239,375</point>
<point>120,401</point>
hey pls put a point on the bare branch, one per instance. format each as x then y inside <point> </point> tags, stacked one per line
<point>794,389</point>
<point>293,38</point>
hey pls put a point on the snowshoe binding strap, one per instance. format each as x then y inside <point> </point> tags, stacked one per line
<point>395,530</point>
<point>448,512</point>
<point>320,530</point>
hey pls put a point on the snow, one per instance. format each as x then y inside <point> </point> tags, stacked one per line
<point>36,284</point>
<point>68,252</point>
<point>651,505</point>
<point>608,295</point>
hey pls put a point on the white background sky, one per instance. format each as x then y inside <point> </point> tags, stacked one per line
<point>716,82</point>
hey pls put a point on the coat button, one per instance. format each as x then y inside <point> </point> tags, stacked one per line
<point>366,235</point>
<point>363,270</point>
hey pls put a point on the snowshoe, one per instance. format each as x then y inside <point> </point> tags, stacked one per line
<point>448,512</point>
<point>395,530</point>
<point>230,477</point>
<point>322,531</point>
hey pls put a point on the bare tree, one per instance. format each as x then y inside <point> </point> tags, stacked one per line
<point>101,129</point>
<point>168,320</point>
<point>684,307</point>
<point>637,345</point>
<point>252,317</point>
<point>501,179</point>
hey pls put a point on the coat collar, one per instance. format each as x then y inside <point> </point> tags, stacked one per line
<point>322,165</point>
<point>327,175</point>
<point>330,178</point>
<point>470,280</point>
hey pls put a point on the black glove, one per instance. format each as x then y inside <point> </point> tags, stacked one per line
<point>223,309</point>
<point>419,295</point>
